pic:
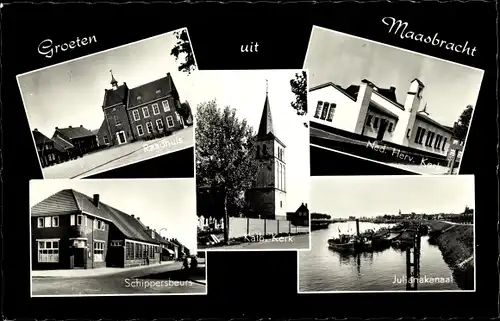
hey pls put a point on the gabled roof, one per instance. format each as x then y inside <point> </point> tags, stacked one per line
<point>69,201</point>
<point>74,132</point>
<point>150,91</point>
<point>331,84</point>
<point>266,120</point>
<point>426,118</point>
<point>115,96</point>
<point>40,138</point>
<point>61,144</point>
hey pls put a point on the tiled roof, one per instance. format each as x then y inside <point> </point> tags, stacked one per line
<point>70,201</point>
<point>148,92</point>
<point>382,109</point>
<point>40,138</point>
<point>423,116</point>
<point>118,96</point>
<point>75,132</point>
<point>61,144</point>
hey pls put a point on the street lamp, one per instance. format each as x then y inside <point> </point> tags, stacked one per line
<point>159,241</point>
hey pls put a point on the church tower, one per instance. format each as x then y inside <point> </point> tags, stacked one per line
<point>267,198</point>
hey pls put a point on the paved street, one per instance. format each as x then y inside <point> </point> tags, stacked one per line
<point>297,242</point>
<point>134,281</point>
<point>119,156</point>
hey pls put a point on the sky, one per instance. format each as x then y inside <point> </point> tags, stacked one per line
<point>160,203</point>
<point>72,93</point>
<point>245,91</point>
<point>368,196</point>
<point>345,60</point>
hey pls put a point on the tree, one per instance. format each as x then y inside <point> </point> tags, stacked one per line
<point>299,88</point>
<point>224,155</point>
<point>462,125</point>
<point>183,46</point>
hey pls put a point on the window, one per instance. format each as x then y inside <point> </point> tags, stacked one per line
<point>140,131</point>
<point>438,140</point>
<point>149,127</point>
<point>99,225</point>
<point>156,109</point>
<point>264,150</point>
<point>145,112</point>
<point>99,251</point>
<point>170,121</point>
<point>375,122</point>
<point>158,91</point>
<point>166,106</point>
<point>48,222</point>
<point>369,120</point>
<point>129,250</point>
<point>408,133</point>
<point>80,220</point>
<point>331,111</point>
<point>116,243</point>
<point>324,112</point>
<point>159,124</point>
<point>258,151</point>
<point>137,251</point>
<point>105,139</point>
<point>421,136</point>
<point>136,115</point>
<point>390,127</point>
<point>444,143</point>
<point>41,222</point>
<point>319,108</point>
<point>55,221</point>
<point>48,251</point>
<point>117,121</point>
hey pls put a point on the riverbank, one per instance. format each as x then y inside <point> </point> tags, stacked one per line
<point>456,243</point>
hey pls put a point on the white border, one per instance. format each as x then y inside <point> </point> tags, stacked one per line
<point>94,170</point>
<point>375,177</point>
<point>306,121</point>
<point>124,269</point>
<point>415,53</point>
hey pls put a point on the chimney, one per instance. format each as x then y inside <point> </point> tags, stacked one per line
<point>57,127</point>
<point>404,130</point>
<point>36,129</point>
<point>147,227</point>
<point>363,101</point>
<point>81,125</point>
<point>138,218</point>
<point>70,127</point>
<point>132,215</point>
<point>96,200</point>
<point>392,89</point>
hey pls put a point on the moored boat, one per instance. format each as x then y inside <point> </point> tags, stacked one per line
<point>342,243</point>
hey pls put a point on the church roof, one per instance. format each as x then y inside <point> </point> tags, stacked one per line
<point>266,121</point>
<point>74,132</point>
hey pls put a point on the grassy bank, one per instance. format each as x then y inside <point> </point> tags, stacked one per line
<point>456,243</point>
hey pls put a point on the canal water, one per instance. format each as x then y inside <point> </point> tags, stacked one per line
<point>323,269</point>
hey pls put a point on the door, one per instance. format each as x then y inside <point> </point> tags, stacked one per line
<point>120,136</point>
<point>79,257</point>
<point>381,130</point>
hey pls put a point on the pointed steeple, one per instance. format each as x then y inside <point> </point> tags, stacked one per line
<point>266,121</point>
<point>113,82</point>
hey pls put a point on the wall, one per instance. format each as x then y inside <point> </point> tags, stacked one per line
<point>372,132</point>
<point>152,118</point>
<point>427,126</point>
<point>94,234</point>
<point>239,227</point>
<point>262,201</point>
<point>61,233</point>
<point>280,203</point>
<point>346,111</point>
<point>121,113</point>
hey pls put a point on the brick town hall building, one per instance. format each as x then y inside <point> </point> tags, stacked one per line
<point>143,112</point>
<point>267,197</point>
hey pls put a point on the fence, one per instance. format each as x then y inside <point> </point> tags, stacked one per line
<point>240,226</point>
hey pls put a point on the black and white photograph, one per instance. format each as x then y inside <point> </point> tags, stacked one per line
<point>113,108</point>
<point>389,105</point>
<point>399,233</point>
<point>252,160</point>
<point>115,237</point>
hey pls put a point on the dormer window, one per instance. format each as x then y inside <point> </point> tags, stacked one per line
<point>158,91</point>
<point>139,97</point>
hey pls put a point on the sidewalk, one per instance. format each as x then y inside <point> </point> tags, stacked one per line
<point>83,273</point>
